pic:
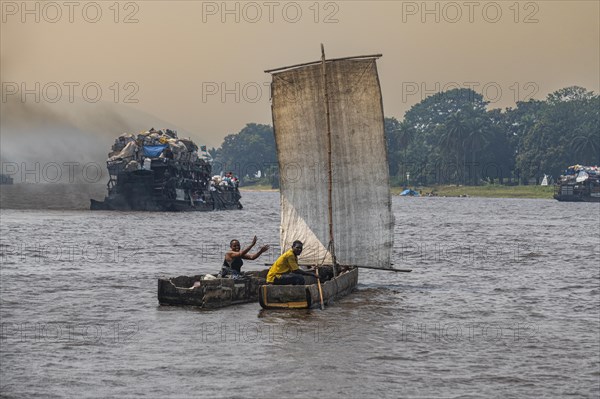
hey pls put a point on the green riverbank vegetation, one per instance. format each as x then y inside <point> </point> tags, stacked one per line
<point>454,143</point>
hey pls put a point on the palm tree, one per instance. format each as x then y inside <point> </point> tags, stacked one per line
<point>587,148</point>
<point>406,135</point>
<point>452,139</point>
<point>476,139</point>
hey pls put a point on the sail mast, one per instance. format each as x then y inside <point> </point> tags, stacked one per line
<point>331,245</point>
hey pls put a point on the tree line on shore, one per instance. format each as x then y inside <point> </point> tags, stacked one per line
<point>453,137</point>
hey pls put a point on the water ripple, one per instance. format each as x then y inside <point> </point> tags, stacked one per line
<point>502,301</point>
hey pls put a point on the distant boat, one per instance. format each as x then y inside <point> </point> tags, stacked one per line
<point>579,184</point>
<point>157,171</point>
<point>409,192</point>
<point>335,197</point>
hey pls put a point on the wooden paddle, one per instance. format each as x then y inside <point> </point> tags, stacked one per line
<point>320,290</point>
<point>389,269</point>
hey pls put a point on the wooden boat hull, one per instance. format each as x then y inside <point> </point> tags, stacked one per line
<point>307,296</point>
<point>225,200</point>
<point>211,294</point>
<point>576,198</point>
<point>153,191</point>
<point>573,191</point>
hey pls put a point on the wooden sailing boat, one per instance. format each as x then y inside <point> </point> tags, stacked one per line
<point>334,181</point>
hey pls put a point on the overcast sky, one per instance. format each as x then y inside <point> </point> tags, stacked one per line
<point>199,66</point>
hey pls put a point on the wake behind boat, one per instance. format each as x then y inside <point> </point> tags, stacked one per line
<point>334,183</point>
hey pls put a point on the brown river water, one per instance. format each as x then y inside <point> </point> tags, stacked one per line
<point>503,301</point>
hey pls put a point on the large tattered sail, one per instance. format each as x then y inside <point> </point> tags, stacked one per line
<point>361,203</point>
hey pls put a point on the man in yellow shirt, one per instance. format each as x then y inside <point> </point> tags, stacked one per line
<point>285,270</point>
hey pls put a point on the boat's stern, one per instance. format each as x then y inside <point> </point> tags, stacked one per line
<point>284,297</point>
<point>307,296</point>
